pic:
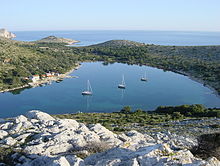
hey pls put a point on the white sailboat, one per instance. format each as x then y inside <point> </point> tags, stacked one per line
<point>89,89</point>
<point>144,78</point>
<point>122,85</point>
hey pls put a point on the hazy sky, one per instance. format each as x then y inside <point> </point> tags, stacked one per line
<point>190,15</point>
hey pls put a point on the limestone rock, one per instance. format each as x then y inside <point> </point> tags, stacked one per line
<point>6,126</point>
<point>5,34</point>
<point>47,161</point>
<point>8,141</point>
<point>20,118</point>
<point>41,116</point>
<point>212,161</point>
<point>47,141</point>
<point>3,134</point>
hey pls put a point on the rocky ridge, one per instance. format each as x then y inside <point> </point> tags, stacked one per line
<point>39,139</point>
<point>5,34</point>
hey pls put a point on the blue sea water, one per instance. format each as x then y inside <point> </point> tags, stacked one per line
<point>162,88</point>
<point>150,37</point>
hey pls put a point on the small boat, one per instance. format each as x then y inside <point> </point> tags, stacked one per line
<point>59,80</point>
<point>89,89</point>
<point>122,85</point>
<point>144,78</point>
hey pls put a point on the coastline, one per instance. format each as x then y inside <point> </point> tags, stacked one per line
<point>16,88</point>
<point>66,75</point>
<point>45,80</point>
<point>199,81</point>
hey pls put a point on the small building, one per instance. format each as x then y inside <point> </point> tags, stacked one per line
<point>49,75</point>
<point>43,76</point>
<point>34,78</point>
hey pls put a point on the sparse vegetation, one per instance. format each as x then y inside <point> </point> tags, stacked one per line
<point>90,148</point>
<point>6,155</point>
<point>121,121</point>
<point>208,146</point>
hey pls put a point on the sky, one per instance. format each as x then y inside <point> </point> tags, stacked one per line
<point>165,15</point>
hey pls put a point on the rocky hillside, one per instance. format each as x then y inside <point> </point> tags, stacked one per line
<point>119,43</point>
<point>54,39</point>
<point>39,139</point>
<point>5,34</point>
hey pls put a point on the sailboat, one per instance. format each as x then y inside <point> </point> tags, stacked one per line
<point>122,85</point>
<point>144,78</point>
<point>89,89</point>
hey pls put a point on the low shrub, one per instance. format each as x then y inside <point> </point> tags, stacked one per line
<point>208,146</point>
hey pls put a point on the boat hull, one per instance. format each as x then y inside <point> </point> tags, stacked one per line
<point>121,86</point>
<point>86,93</point>
<point>143,79</point>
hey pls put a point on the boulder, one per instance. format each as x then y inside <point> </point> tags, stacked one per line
<point>8,141</point>
<point>41,116</point>
<point>20,118</point>
<point>6,126</point>
<point>212,161</point>
<point>47,161</point>
<point>3,134</point>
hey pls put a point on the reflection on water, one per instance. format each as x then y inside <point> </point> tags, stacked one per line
<point>122,94</point>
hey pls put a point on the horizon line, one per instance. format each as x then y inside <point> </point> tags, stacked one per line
<point>114,30</point>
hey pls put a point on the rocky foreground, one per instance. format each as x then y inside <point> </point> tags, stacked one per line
<point>39,139</point>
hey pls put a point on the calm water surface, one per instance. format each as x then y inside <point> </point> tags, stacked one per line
<point>149,37</point>
<point>162,88</point>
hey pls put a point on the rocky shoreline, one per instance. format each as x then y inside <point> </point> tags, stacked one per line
<point>40,139</point>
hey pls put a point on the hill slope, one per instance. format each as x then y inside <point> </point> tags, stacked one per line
<point>118,43</point>
<point>18,61</point>
<point>54,39</point>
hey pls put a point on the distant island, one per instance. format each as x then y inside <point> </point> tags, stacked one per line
<point>5,34</point>
<point>54,39</point>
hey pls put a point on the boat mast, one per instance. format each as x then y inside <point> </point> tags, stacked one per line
<point>89,87</point>
<point>123,80</point>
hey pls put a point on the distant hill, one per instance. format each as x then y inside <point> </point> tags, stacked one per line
<point>6,34</point>
<point>54,39</point>
<point>119,43</point>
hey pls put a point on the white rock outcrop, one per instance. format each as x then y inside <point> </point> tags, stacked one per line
<point>46,141</point>
<point>5,34</point>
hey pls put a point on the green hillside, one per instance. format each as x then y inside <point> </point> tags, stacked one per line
<point>20,59</point>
